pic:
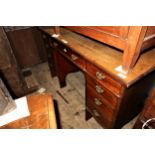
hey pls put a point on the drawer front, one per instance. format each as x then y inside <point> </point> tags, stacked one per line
<point>74,57</point>
<point>104,116</point>
<point>68,53</point>
<point>105,79</point>
<point>100,91</point>
<point>102,99</point>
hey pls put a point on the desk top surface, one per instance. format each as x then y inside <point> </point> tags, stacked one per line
<point>42,114</point>
<point>106,57</point>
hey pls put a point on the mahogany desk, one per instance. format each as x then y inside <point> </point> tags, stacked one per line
<point>112,97</point>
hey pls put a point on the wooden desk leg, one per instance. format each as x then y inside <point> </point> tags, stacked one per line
<point>63,67</point>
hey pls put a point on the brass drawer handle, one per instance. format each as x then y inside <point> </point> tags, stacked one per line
<point>100,75</point>
<point>97,101</point>
<point>99,89</point>
<point>96,113</point>
<point>65,50</point>
<point>74,57</point>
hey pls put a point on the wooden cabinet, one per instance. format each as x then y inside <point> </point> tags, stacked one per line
<point>131,40</point>
<point>27,43</point>
<point>9,67</point>
<point>18,83</point>
<point>112,99</point>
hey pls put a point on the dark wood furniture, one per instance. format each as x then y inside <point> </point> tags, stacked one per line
<point>42,114</point>
<point>7,104</point>
<point>130,39</point>
<point>9,67</point>
<point>27,43</point>
<point>49,50</point>
<point>146,120</point>
<point>112,98</point>
<point>11,70</point>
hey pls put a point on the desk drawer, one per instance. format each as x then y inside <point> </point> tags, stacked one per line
<point>100,91</point>
<point>105,79</point>
<point>74,57</point>
<point>104,115</point>
<point>102,99</point>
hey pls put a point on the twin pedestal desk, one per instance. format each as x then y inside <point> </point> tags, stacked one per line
<point>113,97</point>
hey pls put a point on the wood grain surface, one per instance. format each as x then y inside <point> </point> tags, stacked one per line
<point>42,114</point>
<point>107,57</point>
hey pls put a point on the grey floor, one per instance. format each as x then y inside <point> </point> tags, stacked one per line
<point>70,99</point>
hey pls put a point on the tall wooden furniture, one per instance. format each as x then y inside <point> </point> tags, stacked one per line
<point>112,98</point>
<point>146,120</point>
<point>130,39</point>
<point>9,67</point>
<point>42,114</point>
<point>27,43</point>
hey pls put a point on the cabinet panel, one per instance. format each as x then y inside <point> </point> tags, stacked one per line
<point>103,34</point>
<point>120,31</point>
<point>27,46</point>
<point>149,40</point>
